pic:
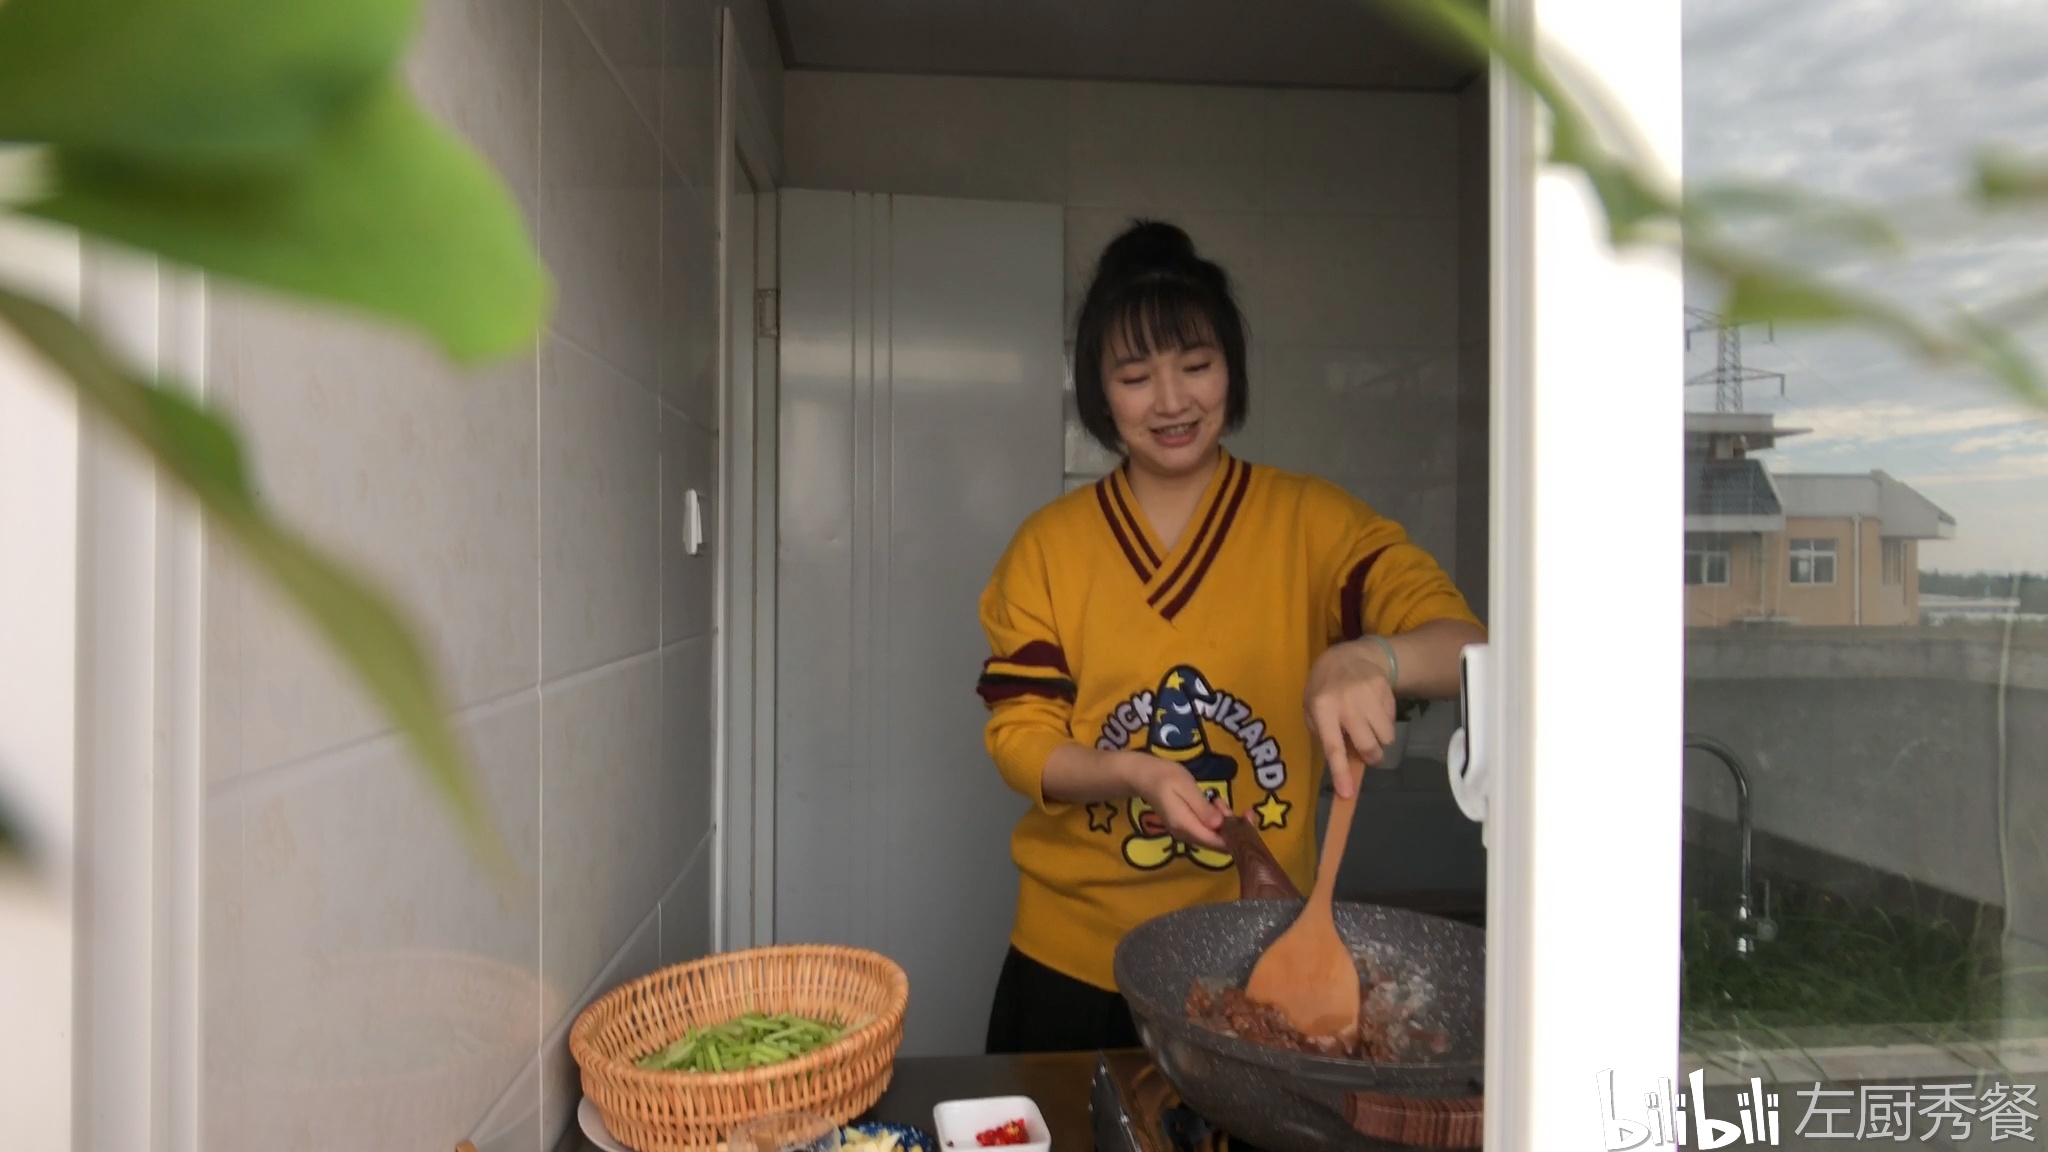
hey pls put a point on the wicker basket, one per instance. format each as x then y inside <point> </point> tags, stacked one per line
<point>678,1111</point>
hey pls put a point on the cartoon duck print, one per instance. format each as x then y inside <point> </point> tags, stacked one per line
<point>1176,734</point>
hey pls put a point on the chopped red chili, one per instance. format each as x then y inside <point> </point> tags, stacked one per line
<point>1010,1133</point>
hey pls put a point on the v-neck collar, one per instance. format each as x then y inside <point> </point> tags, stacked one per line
<point>1170,576</point>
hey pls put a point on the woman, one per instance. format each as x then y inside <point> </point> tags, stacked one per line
<point>1194,635</point>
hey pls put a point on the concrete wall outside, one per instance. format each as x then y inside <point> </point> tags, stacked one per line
<point>1885,746</point>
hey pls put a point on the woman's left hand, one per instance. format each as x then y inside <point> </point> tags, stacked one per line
<point>1350,701</point>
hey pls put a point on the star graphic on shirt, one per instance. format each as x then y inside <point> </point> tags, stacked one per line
<point>1101,817</point>
<point>1173,680</point>
<point>1272,811</point>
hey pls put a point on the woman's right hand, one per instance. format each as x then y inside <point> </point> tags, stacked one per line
<point>1191,815</point>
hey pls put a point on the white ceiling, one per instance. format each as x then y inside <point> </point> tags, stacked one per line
<point>1321,43</point>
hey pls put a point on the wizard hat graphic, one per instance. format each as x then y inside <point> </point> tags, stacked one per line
<point>1177,733</point>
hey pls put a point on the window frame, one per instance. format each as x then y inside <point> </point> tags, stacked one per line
<point>1808,548</point>
<point>1607,752</point>
<point>1706,549</point>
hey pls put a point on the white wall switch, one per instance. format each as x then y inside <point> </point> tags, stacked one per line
<point>693,523</point>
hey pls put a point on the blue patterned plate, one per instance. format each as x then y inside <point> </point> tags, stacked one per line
<point>908,1138</point>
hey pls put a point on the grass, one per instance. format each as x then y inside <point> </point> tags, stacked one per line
<point>1835,963</point>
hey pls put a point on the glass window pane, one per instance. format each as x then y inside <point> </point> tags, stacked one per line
<point>1873,916</point>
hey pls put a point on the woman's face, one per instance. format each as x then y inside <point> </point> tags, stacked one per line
<point>1168,406</point>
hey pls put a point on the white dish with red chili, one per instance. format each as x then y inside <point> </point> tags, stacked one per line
<point>1012,1122</point>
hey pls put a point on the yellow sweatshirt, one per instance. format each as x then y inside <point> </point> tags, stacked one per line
<point>1199,653</point>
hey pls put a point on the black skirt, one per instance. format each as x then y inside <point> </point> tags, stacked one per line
<point>1040,1010</point>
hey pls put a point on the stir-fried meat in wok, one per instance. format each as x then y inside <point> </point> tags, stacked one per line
<point>1385,1032</point>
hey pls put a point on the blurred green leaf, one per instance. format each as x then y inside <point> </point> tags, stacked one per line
<point>387,211</point>
<point>1782,298</point>
<point>2019,310</point>
<point>200,451</point>
<point>190,83</point>
<point>1996,350</point>
<point>1755,288</point>
<point>1758,294</point>
<point>1628,196</point>
<point>1721,201</point>
<point>2006,177</point>
<point>11,839</point>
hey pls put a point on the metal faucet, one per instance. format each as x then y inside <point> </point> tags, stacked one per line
<point>1749,928</point>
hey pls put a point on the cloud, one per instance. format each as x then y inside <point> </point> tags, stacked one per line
<point>1894,421</point>
<point>1878,98</point>
<point>2033,436</point>
<point>1886,101</point>
<point>2010,468</point>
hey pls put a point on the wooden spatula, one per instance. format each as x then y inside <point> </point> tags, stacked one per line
<point>1259,875</point>
<point>1308,973</point>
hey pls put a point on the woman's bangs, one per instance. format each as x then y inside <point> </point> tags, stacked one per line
<point>1159,317</point>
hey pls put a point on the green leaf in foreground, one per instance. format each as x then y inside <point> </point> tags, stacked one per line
<point>1754,298</point>
<point>2006,177</point>
<point>1856,224</point>
<point>388,212</point>
<point>11,847</point>
<point>1638,211</point>
<point>190,82</point>
<point>199,450</point>
<point>1999,352</point>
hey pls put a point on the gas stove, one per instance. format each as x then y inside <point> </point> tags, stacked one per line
<point>1137,1110</point>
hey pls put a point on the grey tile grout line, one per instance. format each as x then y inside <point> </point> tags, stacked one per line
<point>270,775</point>
<point>653,126</point>
<point>553,332</point>
<point>259,779</point>
<point>556,334</point>
<point>600,981</point>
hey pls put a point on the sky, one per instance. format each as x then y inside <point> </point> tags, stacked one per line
<point>1887,101</point>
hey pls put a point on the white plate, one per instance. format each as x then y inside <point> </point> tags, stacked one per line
<point>958,1121</point>
<point>588,1117</point>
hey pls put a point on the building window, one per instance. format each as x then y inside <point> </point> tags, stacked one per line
<point>1706,559</point>
<point>1813,561</point>
<point>1895,561</point>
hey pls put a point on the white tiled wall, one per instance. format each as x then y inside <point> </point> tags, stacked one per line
<point>1336,214</point>
<point>367,985</point>
<point>1353,224</point>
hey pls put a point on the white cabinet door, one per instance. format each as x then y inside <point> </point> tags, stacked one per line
<point>1583,867</point>
<point>920,424</point>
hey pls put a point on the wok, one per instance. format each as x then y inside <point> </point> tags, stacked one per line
<point>1288,1101</point>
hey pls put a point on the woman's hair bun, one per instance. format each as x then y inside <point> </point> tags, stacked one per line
<point>1149,246</point>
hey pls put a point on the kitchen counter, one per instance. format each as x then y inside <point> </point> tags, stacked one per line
<point>1059,1082</point>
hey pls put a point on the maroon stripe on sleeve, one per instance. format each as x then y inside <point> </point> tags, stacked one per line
<point>995,689</point>
<point>1244,479</point>
<point>1116,490</point>
<point>1201,533</point>
<point>1352,599</point>
<point>1037,654</point>
<point>1123,541</point>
